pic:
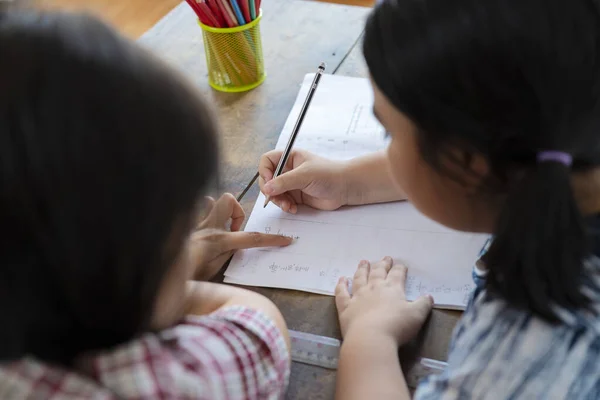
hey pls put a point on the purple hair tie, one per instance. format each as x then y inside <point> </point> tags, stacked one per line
<point>555,156</point>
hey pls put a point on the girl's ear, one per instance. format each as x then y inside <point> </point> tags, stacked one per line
<point>479,165</point>
<point>470,167</point>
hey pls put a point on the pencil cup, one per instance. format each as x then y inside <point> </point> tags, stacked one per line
<point>234,56</point>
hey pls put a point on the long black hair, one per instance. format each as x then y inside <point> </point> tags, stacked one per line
<point>103,154</point>
<point>505,79</point>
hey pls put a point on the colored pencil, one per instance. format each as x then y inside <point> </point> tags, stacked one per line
<point>252,9</point>
<point>194,6</point>
<point>245,10</point>
<point>238,12</point>
<point>216,12</point>
<point>209,15</point>
<point>226,17</point>
<point>229,11</point>
<point>225,13</point>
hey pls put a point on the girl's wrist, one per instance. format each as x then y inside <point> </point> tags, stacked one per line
<point>353,189</point>
<point>371,340</point>
<point>358,335</point>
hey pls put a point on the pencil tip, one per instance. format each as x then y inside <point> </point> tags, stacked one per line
<point>266,202</point>
<point>322,66</point>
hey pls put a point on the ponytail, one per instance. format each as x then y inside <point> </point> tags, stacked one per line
<point>536,259</point>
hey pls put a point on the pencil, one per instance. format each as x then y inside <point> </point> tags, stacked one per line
<point>252,7</point>
<point>230,23</point>
<point>229,12</point>
<point>238,12</point>
<point>303,110</point>
<point>194,6</point>
<point>245,10</point>
<point>208,14</point>
<point>212,4</point>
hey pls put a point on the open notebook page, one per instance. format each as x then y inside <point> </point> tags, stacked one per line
<point>328,245</point>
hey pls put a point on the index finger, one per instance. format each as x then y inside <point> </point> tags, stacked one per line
<point>267,165</point>
<point>248,240</point>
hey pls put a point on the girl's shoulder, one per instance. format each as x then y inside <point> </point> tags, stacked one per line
<point>502,352</point>
<point>235,353</point>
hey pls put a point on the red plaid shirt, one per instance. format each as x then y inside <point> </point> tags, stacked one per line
<point>235,353</point>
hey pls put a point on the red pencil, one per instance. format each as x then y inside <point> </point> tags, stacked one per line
<point>227,17</point>
<point>194,7</point>
<point>209,15</point>
<point>245,10</point>
<point>258,7</point>
<point>216,12</point>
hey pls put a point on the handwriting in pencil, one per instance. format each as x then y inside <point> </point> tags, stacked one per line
<point>281,233</point>
<point>417,287</point>
<point>274,268</point>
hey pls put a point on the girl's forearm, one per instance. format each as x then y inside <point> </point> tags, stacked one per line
<point>205,297</point>
<point>369,180</point>
<point>369,369</point>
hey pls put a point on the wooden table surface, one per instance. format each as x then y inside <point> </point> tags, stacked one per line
<point>297,36</point>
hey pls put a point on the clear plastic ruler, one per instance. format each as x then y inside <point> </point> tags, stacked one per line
<point>324,352</point>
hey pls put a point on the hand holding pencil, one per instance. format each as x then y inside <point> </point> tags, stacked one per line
<point>288,148</point>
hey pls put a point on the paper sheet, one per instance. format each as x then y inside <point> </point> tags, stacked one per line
<point>340,125</point>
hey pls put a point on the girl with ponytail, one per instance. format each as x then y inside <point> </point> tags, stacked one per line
<point>493,108</point>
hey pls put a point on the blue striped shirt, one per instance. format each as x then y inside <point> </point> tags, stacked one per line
<point>498,352</point>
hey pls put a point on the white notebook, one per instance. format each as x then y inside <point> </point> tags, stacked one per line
<point>330,244</point>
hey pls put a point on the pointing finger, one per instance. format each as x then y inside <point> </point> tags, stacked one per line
<point>248,240</point>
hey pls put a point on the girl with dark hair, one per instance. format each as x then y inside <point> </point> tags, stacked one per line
<point>493,108</point>
<point>105,155</point>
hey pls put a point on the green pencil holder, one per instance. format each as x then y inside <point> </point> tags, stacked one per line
<point>234,56</point>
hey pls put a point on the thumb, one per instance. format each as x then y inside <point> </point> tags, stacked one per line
<point>423,306</point>
<point>296,179</point>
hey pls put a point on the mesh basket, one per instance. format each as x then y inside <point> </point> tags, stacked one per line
<point>234,56</point>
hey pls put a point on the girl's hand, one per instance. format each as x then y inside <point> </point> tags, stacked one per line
<point>213,243</point>
<point>308,179</point>
<point>378,303</point>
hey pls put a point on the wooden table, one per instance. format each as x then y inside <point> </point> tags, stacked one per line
<point>297,36</point>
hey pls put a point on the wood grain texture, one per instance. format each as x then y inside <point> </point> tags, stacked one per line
<point>354,64</point>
